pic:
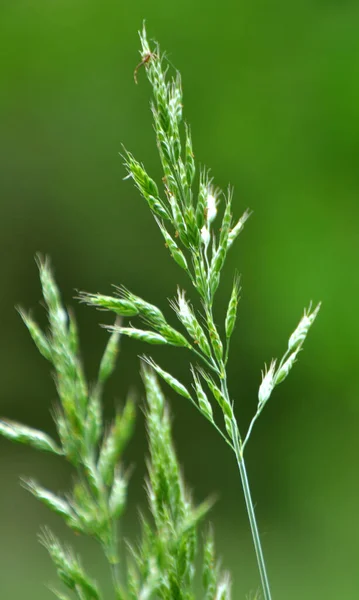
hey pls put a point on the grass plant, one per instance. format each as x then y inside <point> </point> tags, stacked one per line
<point>196,222</point>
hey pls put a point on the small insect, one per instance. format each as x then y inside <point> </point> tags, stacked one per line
<point>144,61</point>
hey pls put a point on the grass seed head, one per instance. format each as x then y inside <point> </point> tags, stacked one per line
<point>298,336</point>
<point>231,315</point>
<point>267,384</point>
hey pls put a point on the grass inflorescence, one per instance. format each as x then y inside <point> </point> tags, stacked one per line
<point>195,219</point>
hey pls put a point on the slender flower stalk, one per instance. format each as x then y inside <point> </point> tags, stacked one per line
<point>195,219</point>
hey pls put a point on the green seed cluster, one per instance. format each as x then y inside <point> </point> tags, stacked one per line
<point>273,376</point>
<point>148,313</point>
<point>69,569</point>
<point>186,218</point>
<point>99,494</point>
<point>187,316</point>
<point>189,213</point>
<point>168,551</point>
<point>186,212</point>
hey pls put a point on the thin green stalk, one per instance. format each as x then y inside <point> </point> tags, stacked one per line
<point>211,366</point>
<point>251,514</point>
<point>250,429</point>
<point>214,425</point>
<point>238,450</point>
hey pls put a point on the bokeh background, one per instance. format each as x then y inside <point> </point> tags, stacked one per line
<point>272,94</point>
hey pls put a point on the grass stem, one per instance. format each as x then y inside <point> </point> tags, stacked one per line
<point>251,514</point>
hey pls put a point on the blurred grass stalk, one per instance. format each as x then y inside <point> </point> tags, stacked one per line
<point>164,563</point>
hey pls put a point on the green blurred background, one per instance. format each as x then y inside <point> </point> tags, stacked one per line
<point>272,94</point>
